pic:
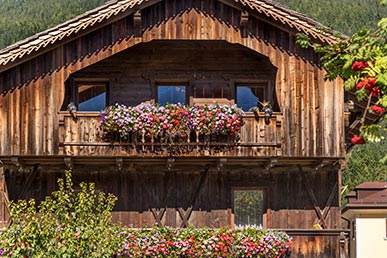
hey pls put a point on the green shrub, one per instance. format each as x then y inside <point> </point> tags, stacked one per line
<point>65,224</point>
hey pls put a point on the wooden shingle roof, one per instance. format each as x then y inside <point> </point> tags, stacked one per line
<point>113,8</point>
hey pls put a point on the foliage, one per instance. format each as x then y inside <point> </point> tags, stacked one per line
<point>365,163</point>
<point>170,122</point>
<point>248,207</point>
<point>191,242</point>
<point>23,18</point>
<point>65,224</point>
<point>361,61</point>
<point>345,16</point>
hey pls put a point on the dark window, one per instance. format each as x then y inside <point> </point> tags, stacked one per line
<point>91,96</point>
<point>171,94</point>
<point>247,96</point>
<point>248,207</point>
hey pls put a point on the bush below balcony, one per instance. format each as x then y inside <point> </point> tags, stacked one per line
<point>79,224</point>
<point>170,123</point>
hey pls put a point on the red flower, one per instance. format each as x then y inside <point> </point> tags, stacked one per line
<point>361,84</point>
<point>356,139</point>
<point>376,92</point>
<point>372,81</point>
<point>359,65</point>
<point>377,110</point>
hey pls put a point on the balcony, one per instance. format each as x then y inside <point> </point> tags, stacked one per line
<point>82,136</point>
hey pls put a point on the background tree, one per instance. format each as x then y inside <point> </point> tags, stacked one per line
<point>20,19</point>
<point>345,16</point>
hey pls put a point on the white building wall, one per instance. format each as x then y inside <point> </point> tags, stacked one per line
<point>371,238</point>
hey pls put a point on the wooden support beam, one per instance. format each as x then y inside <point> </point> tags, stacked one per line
<point>270,163</point>
<point>321,164</point>
<point>312,197</point>
<point>220,163</point>
<point>4,200</point>
<point>119,163</point>
<point>18,163</point>
<point>186,214</point>
<point>68,162</point>
<point>158,213</point>
<point>27,184</point>
<point>170,163</point>
<point>329,201</point>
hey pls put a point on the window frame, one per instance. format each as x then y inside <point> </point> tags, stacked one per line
<point>268,90</point>
<point>385,228</point>
<point>176,83</point>
<point>265,210</point>
<point>76,83</point>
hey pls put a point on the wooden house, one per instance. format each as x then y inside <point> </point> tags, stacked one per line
<point>213,51</point>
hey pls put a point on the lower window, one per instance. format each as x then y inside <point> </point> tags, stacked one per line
<point>248,207</point>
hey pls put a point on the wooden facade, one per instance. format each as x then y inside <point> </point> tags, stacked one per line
<point>133,46</point>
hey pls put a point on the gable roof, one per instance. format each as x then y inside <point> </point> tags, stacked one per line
<point>368,195</point>
<point>114,8</point>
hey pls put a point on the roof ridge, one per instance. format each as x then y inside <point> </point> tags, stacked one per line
<point>40,40</point>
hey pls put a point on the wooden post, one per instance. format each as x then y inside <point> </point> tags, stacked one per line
<point>4,201</point>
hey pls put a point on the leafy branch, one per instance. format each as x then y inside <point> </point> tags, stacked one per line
<point>361,61</point>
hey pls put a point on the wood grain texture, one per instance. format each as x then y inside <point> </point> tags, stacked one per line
<point>190,42</point>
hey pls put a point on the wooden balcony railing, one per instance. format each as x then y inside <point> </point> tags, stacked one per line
<point>82,136</point>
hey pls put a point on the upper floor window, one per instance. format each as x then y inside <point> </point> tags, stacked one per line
<point>171,94</point>
<point>209,89</point>
<point>248,207</point>
<point>91,96</point>
<point>248,95</point>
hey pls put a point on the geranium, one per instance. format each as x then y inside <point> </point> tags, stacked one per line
<point>171,122</point>
<point>377,110</point>
<point>359,65</point>
<point>205,242</point>
<point>356,139</point>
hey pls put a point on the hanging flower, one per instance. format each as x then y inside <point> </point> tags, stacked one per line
<point>377,110</point>
<point>170,122</point>
<point>356,139</point>
<point>359,65</point>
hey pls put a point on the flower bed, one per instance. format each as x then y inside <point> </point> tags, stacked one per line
<point>171,122</point>
<point>192,242</point>
<point>172,242</point>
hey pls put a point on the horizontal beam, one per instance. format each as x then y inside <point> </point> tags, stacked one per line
<point>55,160</point>
<point>312,232</point>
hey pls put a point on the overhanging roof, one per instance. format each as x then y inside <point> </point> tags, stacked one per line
<point>118,8</point>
